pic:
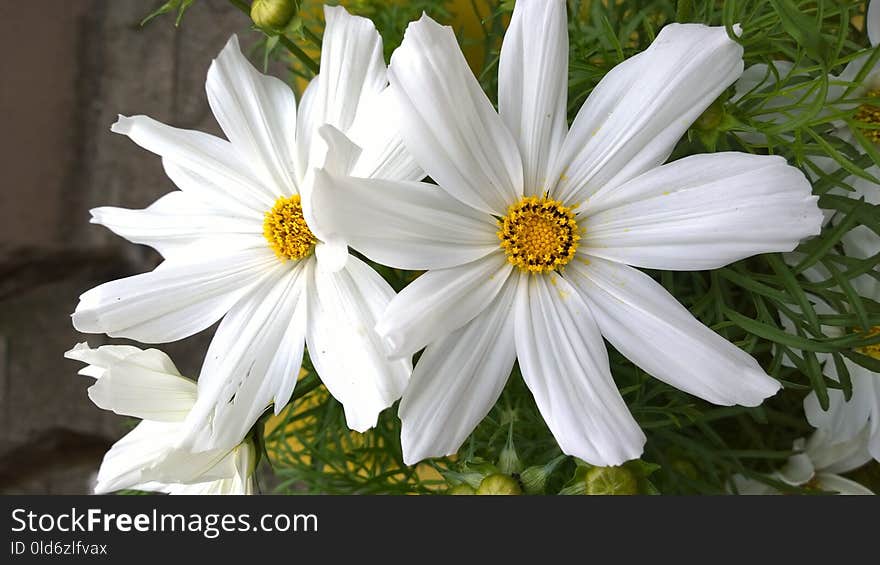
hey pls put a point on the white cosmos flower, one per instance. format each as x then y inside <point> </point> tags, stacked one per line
<point>817,465</point>
<point>145,384</point>
<point>239,245</point>
<point>521,196</point>
<point>859,417</point>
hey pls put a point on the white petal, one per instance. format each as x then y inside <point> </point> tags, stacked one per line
<point>206,166</point>
<point>703,212</point>
<point>377,131</point>
<point>175,300</point>
<point>439,302</point>
<point>145,385</point>
<point>242,483</point>
<point>257,114</point>
<point>637,113</point>
<point>405,225</point>
<point>832,456</point>
<point>345,349</point>
<point>124,465</point>
<point>844,421</point>
<point>253,361</point>
<point>457,381</point>
<point>98,360</point>
<point>746,486</point>
<point>872,22</point>
<point>648,326</point>
<point>448,124</point>
<point>565,365</point>
<point>841,485</point>
<point>339,156</point>
<point>533,85</point>
<point>352,73</point>
<point>799,469</point>
<point>177,220</point>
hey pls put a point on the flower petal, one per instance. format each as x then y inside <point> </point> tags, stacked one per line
<point>703,212</point>
<point>175,300</point>
<point>648,326</point>
<point>98,360</point>
<point>565,365</point>
<point>639,111</point>
<point>377,131</point>
<point>352,74</point>
<point>177,220</point>
<point>457,381</point>
<point>147,455</point>
<point>872,22</point>
<point>447,122</point>
<point>140,384</point>
<point>835,483</point>
<point>533,85</point>
<point>258,114</point>
<point>405,225</point>
<point>439,302</point>
<point>206,166</point>
<point>345,349</point>
<point>832,456</point>
<point>845,420</point>
<point>252,361</point>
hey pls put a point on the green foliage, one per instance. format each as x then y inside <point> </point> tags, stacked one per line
<point>178,6</point>
<point>693,446</point>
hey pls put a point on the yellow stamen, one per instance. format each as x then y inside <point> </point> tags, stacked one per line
<point>286,230</point>
<point>538,235</point>
<point>870,350</point>
<point>870,114</point>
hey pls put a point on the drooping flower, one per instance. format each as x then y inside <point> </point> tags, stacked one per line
<point>146,384</point>
<point>240,240</point>
<point>817,465</point>
<point>529,236</point>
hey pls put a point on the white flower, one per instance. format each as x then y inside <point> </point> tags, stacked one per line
<point>860,416</point>
<point>145,384</point>
<point>521,196</point>
<point>240,241</point>
<point>816,466</point>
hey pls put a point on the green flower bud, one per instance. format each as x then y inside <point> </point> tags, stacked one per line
<point>508,462</point>
<point>273,14</point>
<point>711,118</point>
<point>534,479</point>
<point>462,489</point>
<point>498,484</point>
<point>610,480</point>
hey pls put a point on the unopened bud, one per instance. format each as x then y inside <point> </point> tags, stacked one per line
<point>711,118</point>
<point>498,484</point>
<point>508,462</point>
<point>610,480</point>
<point>534,479</point>
<point>462,489</point>
<point>273,14</point>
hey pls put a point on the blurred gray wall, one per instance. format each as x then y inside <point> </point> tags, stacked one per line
<point>67,68</point>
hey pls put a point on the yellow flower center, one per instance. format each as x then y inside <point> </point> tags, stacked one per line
<point>870,350</point>
<point>538,235</point>
<point>870,114</point>
<point>286,230</point>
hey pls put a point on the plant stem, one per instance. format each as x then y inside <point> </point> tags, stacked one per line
<point>292,47</point>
